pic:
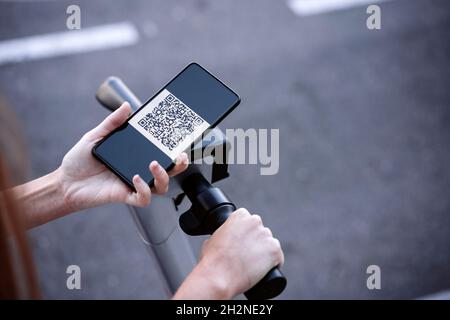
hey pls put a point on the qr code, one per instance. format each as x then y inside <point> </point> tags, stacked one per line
<point>170,122</point>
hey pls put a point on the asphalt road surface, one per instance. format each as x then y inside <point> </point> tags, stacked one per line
<point>364,116</point>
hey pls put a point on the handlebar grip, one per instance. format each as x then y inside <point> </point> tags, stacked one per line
<point>113,92</point>
<point>273,283</point>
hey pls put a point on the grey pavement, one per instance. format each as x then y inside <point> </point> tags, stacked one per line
<point>364,126</point>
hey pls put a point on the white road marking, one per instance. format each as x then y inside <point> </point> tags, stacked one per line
<point>68,42</point>
<point>311,7</point>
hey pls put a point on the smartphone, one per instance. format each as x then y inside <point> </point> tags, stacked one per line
<point>167,124</point>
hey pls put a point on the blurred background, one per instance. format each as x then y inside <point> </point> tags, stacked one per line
<point>364,126</point>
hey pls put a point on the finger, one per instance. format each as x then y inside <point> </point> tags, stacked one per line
<point>142,196</point>
<point>161,178</point>
<point>256,219</point>
<point>112,121</point>
<point>267,232</point>
<point>241,212</point>
<point>278,253</point>
<point>181,164</point>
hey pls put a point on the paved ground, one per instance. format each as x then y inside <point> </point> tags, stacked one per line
<point>364,124</point>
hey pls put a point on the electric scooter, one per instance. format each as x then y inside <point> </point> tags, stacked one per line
<point>164,234</point>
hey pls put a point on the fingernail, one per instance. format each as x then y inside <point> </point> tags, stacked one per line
<point>156,166</point>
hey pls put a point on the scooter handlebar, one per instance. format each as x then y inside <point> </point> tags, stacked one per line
<point>113,92</point>
<point>273,283</point>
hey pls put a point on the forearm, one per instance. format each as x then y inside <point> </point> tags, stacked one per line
<point>204,284</point>
<point>40,200</point>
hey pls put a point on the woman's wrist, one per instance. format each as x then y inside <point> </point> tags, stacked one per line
<point>67,201</point>
<point>218,281</point>
<point>41,200</point>
<point>207,282</point>
<point>67,198</point>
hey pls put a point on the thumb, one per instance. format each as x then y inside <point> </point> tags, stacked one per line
<point>112,121</point>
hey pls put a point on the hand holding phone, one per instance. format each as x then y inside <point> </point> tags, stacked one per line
<point>167,124</point>
<point>85,182</point>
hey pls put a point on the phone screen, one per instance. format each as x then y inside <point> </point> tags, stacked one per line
<point>167,124</point>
